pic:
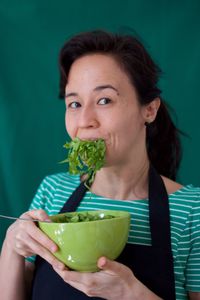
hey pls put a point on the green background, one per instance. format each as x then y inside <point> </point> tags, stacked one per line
<point>32,128</point>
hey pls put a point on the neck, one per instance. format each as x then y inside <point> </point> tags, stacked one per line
<point>128,182</point>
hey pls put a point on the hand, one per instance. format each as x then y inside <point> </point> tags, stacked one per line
<point>24,238</point>
<point>113,281</point>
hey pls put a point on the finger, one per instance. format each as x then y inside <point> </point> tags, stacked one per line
<point>35,233</point>
<point>75,279</point>
<point>33,247</point>
<point>73,276</point>
<point>51,259</point>
<point>43,239</point>
<point>115,269</point>
<point>88,283</point>
<point>24,245</point>
<point>37,214</point>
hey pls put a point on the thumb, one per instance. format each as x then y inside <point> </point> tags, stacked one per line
<point>109,265</point>
<point>116,269</point>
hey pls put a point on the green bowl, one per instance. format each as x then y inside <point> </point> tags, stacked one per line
<point>82,243</point>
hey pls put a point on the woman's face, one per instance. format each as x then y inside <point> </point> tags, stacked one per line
<point>102,103</point>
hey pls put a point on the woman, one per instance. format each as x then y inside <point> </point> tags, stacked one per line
<point>110,88</point>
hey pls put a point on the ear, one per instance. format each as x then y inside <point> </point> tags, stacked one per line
<point>150,110</point>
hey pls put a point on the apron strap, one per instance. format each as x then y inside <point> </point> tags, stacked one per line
<point>73,202</point>
<point>159,216</point>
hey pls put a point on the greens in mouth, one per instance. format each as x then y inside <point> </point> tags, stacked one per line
<point>85,157</point>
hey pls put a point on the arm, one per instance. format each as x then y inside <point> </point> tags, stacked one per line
<point>193,261</point>
<point>19,272</point>
<point>194,295</point>
<point>12,274</point>
<point>29,271</point>
<point>21,275</point>
<point>23,238</point>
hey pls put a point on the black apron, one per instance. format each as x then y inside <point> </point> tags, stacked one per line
<point>152,265</point>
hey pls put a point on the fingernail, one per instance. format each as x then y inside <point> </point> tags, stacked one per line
<point>102,261</point>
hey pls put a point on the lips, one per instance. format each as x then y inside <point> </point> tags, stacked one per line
<point>89,138</point>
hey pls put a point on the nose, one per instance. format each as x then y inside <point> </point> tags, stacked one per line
<point>88,118</point>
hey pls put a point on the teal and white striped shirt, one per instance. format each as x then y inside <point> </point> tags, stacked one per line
<point>184,217</point>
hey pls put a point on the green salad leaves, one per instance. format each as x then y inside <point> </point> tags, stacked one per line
<point>81,217</point>
<point>85,157</point>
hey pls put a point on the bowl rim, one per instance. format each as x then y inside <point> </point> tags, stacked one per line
<point>125,214</point>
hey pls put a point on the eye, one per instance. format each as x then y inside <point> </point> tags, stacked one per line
<point>74,105</point>
<point>104,101</point>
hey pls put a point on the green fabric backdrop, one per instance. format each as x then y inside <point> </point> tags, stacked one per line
<point>31,116</point>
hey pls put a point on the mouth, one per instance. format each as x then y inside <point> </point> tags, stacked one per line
<point>106,140</point>
<point>91,138</point>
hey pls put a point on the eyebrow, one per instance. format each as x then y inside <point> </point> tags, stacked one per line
<point>107,86</point>
<point>96,89</point>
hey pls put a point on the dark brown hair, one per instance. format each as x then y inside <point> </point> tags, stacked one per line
<point>163,142</point>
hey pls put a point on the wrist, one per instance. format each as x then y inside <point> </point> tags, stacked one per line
<point>140,291</point>
<point>133,289</point>
<point>9,254</point>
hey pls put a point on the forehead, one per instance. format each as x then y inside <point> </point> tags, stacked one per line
<point>96,67</point>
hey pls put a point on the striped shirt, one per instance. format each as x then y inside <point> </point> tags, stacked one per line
<point>184,207</point>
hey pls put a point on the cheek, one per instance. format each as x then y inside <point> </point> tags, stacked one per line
<point>127,129</point>
<point>69,126</point>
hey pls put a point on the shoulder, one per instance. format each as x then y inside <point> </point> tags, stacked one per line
<point>173,189</point>
<point>62,180</point>
<point>183,195</point>
<point>54,189</point>
<point>57,182</point>
<point>171,186</point>
<point>184,200</point>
